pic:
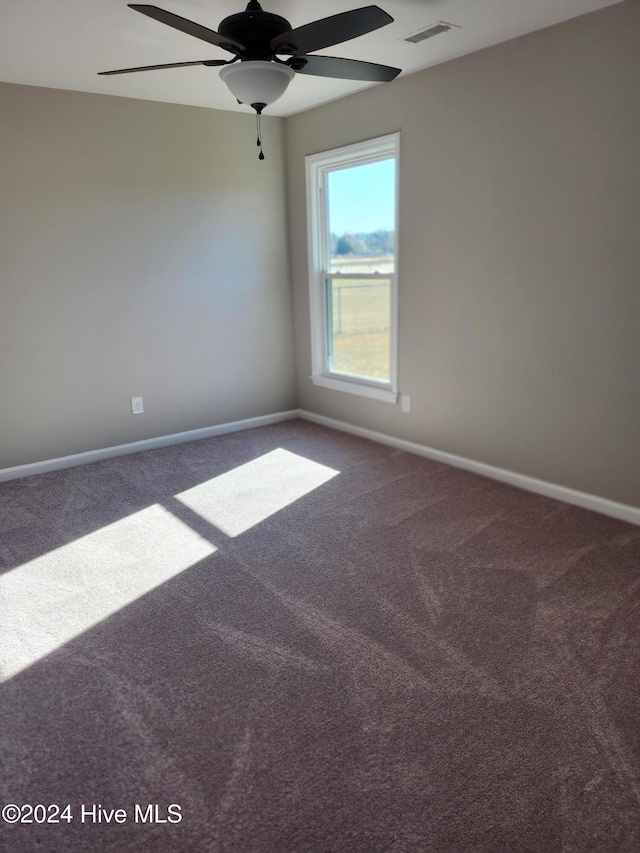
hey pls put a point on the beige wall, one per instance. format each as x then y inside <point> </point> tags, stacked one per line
<point>142,252</point>
<point>519,257</point>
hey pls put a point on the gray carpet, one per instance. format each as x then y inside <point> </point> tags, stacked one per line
<point>310,642</point>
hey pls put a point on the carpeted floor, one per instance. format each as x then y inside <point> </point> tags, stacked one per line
<point>310,642</point>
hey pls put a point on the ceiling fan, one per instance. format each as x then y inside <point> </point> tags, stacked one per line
<point>258,39</point>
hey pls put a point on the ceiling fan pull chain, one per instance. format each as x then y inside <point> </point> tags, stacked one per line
<point>259,131</point>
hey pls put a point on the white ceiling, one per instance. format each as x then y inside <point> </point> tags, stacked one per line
<point>64,43</point>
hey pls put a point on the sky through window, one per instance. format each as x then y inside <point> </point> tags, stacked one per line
<point>362,198</point>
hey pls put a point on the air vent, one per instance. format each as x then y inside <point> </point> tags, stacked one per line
<point>430,31</point>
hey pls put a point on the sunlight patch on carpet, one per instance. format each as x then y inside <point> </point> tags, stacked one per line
<point>238,500</point>
<point>48,601</point>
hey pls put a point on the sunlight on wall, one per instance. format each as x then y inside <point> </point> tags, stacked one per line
<point>236,501</point>
<point>48,601</point>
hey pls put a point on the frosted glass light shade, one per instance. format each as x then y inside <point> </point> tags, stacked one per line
<point>256,81</point>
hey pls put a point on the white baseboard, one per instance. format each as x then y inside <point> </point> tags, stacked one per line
<point>624,512</point>
<point>20,471</point>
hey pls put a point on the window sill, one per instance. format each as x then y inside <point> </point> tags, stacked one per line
<point>386,395</point>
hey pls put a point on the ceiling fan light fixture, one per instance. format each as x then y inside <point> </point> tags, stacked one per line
<point>256,81</point>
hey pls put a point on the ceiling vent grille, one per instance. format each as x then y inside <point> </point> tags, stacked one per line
<point>430,31</point>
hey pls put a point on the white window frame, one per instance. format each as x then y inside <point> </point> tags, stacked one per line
<point>317,168</point>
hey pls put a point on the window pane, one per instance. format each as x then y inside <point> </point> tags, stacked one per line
<point>353,288</point>
<point>359,317</point>
<point>361,209</point>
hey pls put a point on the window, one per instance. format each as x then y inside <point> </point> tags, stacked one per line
<point>352,215</point>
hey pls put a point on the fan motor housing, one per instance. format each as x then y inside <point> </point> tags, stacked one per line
<point>255,30</point>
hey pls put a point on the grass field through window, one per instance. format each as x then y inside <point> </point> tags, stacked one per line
<point>359,312</point>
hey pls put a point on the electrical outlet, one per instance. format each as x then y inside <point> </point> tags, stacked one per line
<point>136,405</point>
<point>406,403</point>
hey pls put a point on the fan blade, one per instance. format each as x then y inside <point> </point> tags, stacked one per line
<point>169,65</point>
<point>332,30</point>
<point>346,69</point>
<point>189,27</point>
